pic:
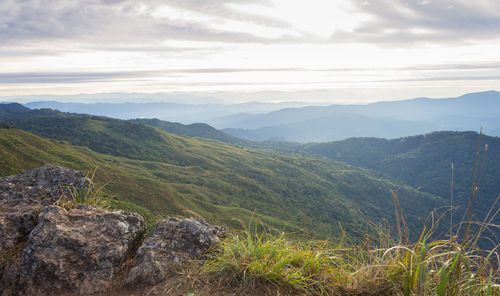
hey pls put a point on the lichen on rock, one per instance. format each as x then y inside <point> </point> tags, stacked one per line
<point>78,251</point>
<point>84,250</point>
<point>23,196</point>
<point>172,241</point>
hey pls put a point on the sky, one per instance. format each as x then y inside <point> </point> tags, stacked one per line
<point>335,51</point>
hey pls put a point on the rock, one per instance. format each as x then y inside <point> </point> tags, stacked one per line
<point>84,250</point>
<point>10,263</point>
<point>172,241</point>
<point>78,252</point>
<point>46,183</point>
<point>24,195</point>
<point>22,198</point>
<point>17,219</point>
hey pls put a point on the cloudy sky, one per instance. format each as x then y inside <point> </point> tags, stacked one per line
<point>317,50</point>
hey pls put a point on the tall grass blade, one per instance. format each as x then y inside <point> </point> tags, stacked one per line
<point>445,274</point>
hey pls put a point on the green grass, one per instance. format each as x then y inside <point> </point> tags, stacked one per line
<point>249,261</point>
<point>87,193</point>
<point>441,267</point>
<point>447,265</point>
<point>157,174</point>
<point>220,182</point>
<point>424,162</point>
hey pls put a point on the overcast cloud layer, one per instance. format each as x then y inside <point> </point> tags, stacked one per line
<point>71,46</point>
<point>431,21</point>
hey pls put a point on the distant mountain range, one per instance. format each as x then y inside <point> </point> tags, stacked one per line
<point>171,111</point>
<point>383,119</point>
<point>296,122</point>
<point>335,127</point>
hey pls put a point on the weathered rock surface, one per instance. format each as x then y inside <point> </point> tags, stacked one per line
<point>17,219</point>
<point>22,198</point>
<point>24,195</point>
<point>172,241</point>
<point>85,250</point>
<point>79,251</point>
<point>45,183</point>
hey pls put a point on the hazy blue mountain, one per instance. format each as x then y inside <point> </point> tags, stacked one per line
<point>253,121</point>
<point>120,110</point>
<point>475,105</point>
<point>336,127</point>
<point>12,109</point>
<point>170,111</point>
<point>382,119</point>
<point>120,97</point>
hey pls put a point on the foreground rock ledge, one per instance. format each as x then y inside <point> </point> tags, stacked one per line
<point>78,251</point>
<point>25,195</point>
<point>84,250</point>
<point>172,241</point>
<point>22,198</point>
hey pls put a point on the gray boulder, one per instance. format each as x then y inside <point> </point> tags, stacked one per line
<point>172,241</point>
<point>46,183</point>
<point>84,250</point>
<point>80,251</point>
<point>23,196</point>
<point>17,218</point>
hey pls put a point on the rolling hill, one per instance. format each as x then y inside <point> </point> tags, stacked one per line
<point>164,174</point>
<point>206,131</point>
<point>424,162</point>
<point>201,130</point>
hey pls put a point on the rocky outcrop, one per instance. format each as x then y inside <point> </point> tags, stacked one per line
<point>23,196</point>
<point>17,219</point>
<point>46,183</point>
<point>172,241</point>
<point>78,251</point>
<point>83,250</point>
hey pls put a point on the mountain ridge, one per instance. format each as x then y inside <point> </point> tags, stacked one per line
<point>206,176</point>
<point>420,115</point>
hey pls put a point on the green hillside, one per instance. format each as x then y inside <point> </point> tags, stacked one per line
<point>164,174</point>
<point>201,130</point>
<point>424,162</point>
<point>206,131</point>
<point>4,125</point>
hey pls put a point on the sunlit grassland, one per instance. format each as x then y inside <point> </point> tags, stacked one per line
<point>220,182</point>
<point>250,262</point>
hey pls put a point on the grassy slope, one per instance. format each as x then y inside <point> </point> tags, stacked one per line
<point>424,162</point>
<point>201,130</point>
<point>420,161</point>
<point>206,131</point>
<point>221,182</point>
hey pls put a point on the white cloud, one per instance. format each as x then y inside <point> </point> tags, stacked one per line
<point>437,22</point>
<point>219,45</point>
